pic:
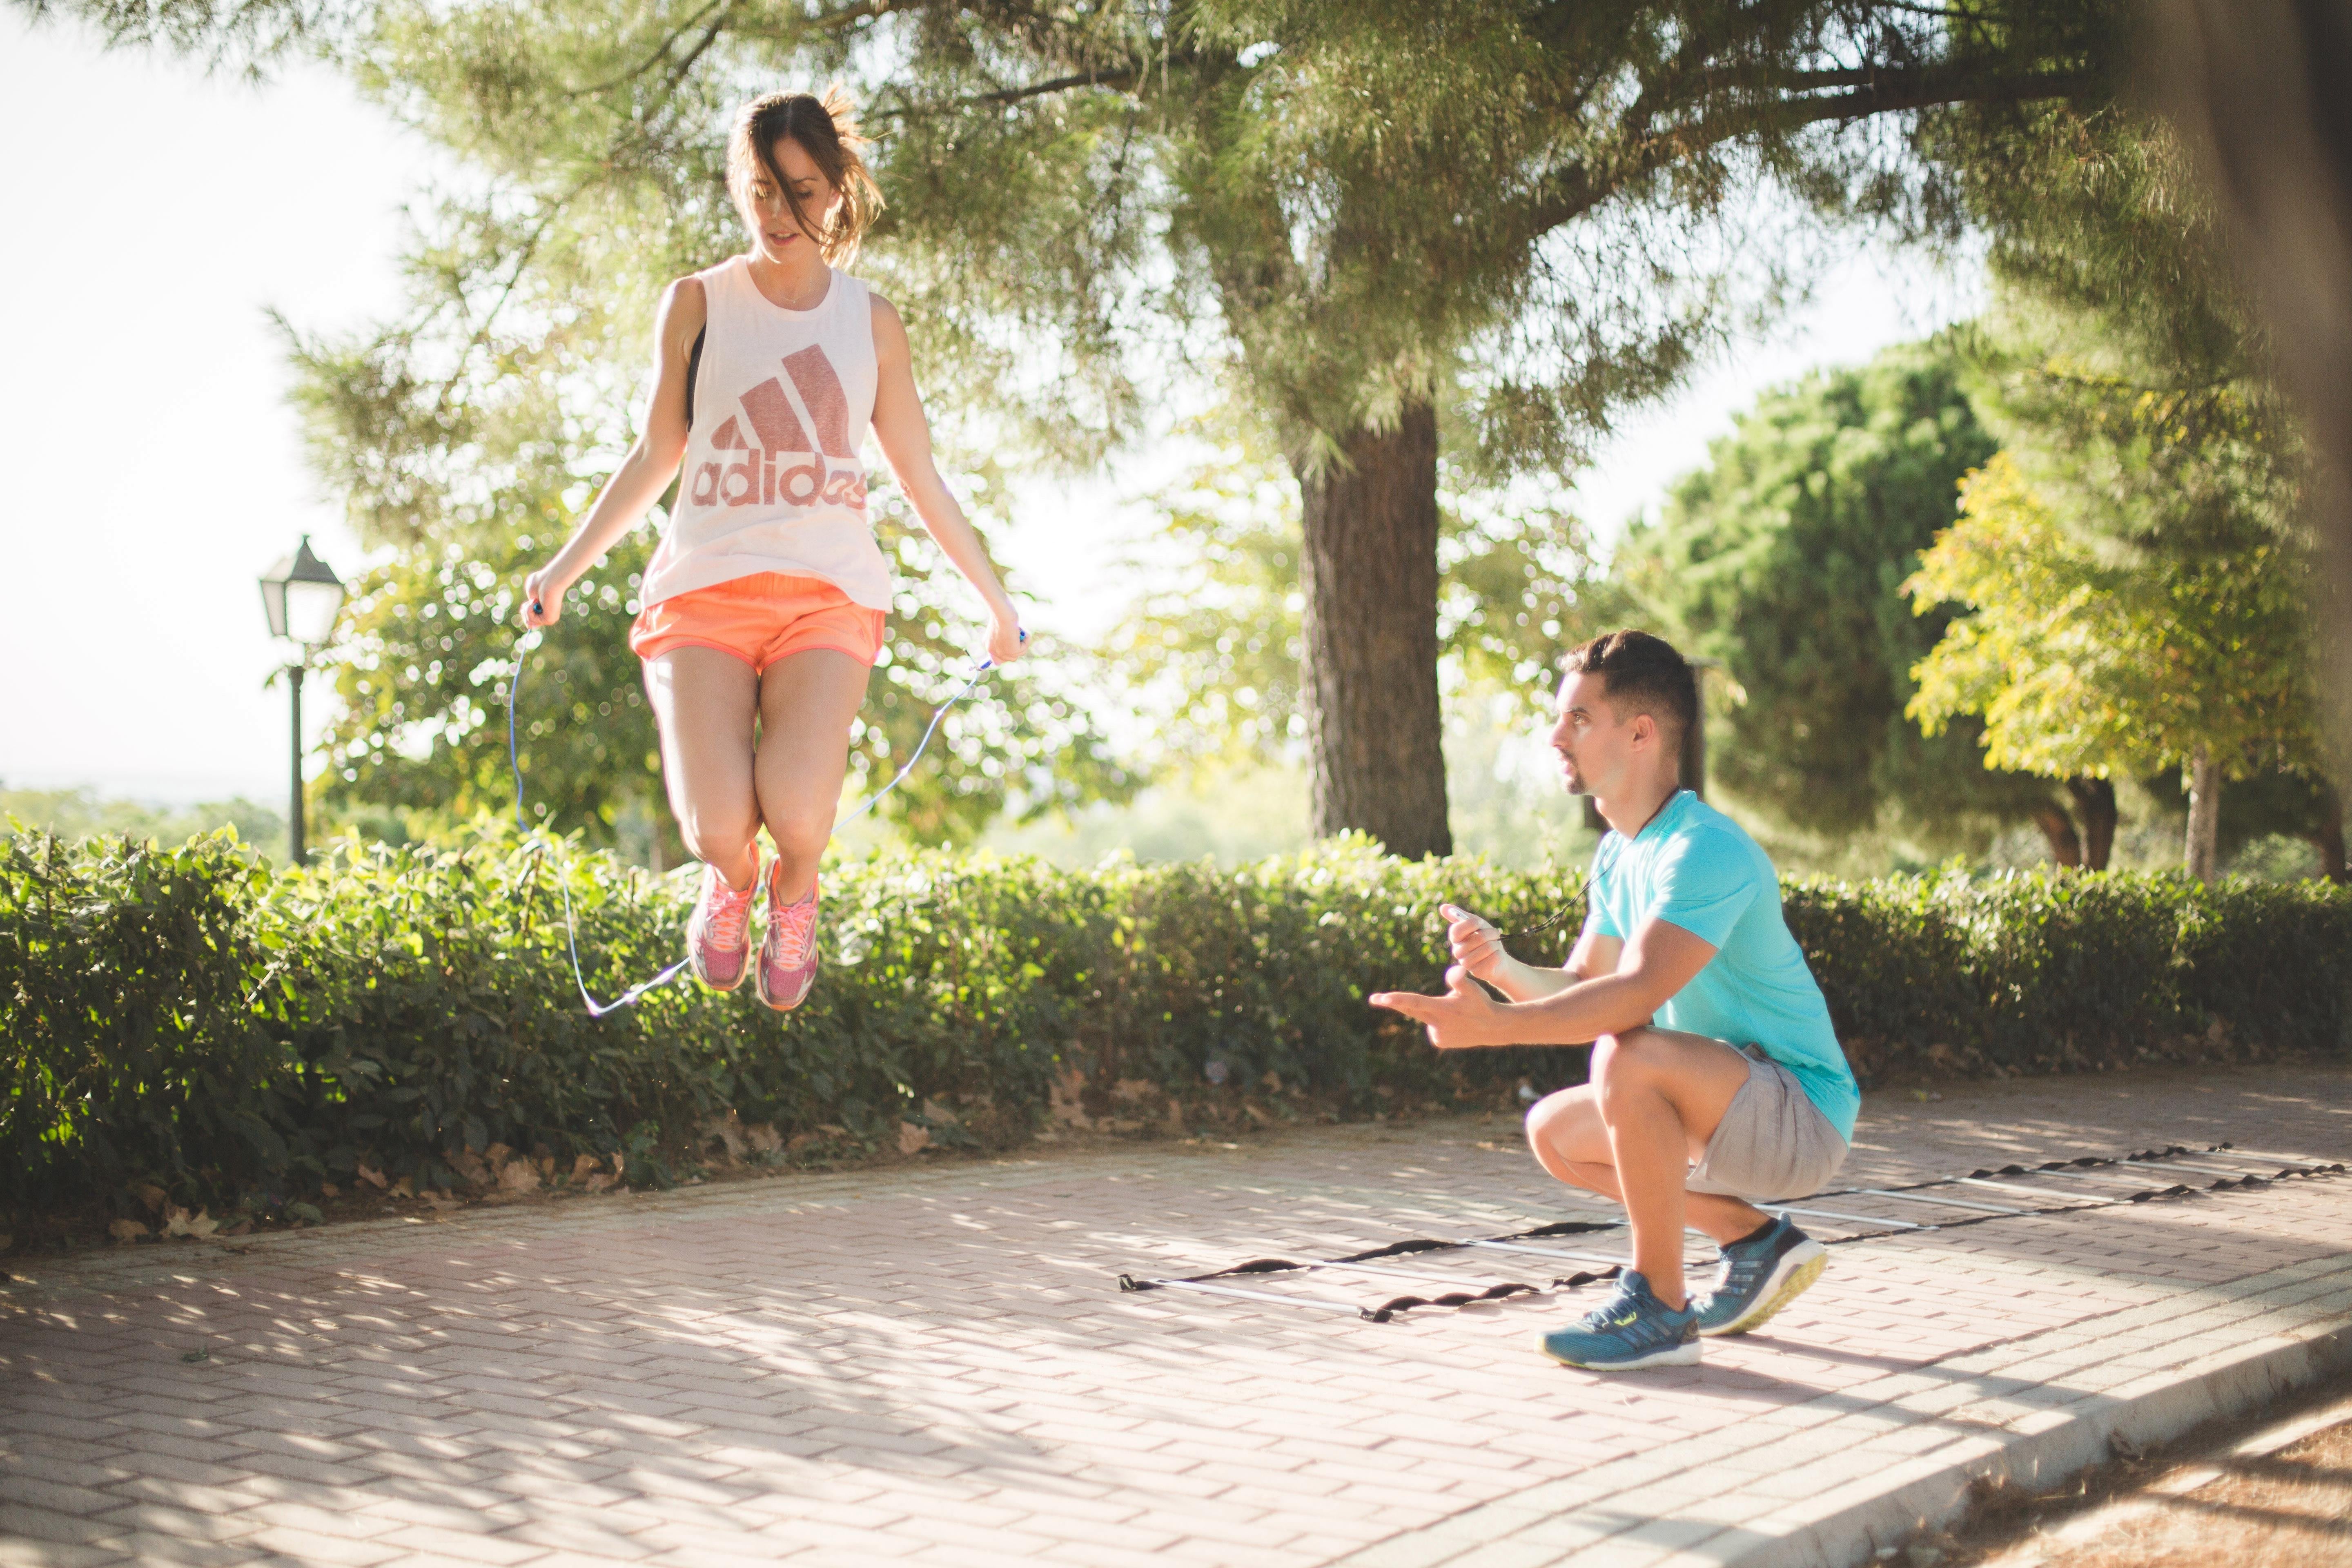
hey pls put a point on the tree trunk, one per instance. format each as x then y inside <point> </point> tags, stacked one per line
<point>2202,853</point>
<point>1370,577</point>
<point>2095,802</point>
<point>2059,829</point>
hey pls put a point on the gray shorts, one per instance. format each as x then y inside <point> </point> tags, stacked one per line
<point>1773,1142</point>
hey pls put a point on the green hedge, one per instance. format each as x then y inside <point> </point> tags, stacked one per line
<point>182,1017</point>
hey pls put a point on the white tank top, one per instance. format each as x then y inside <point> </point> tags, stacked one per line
<point>773,479</point>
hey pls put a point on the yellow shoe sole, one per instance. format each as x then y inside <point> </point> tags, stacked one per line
<point>1798,1280</point>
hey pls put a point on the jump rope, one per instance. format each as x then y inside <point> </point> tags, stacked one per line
<point>596,1009</point>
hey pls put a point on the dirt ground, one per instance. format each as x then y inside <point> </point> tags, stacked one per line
<point>2226,1495</point>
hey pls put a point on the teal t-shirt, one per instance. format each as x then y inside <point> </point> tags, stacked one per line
<point>1695,867</point>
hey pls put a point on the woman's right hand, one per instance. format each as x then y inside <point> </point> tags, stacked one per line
<point>543,600</point>
<point>1477,945</point>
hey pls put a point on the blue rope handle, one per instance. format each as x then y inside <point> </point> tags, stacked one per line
<point>571,925</point>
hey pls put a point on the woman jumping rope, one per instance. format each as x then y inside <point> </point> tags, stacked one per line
<point>765,602</point>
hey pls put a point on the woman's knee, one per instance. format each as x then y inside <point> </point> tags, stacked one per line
<point>800,831</point>
<point>715,834</point>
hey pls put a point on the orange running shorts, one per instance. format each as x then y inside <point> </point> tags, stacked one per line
<point>760,620</point>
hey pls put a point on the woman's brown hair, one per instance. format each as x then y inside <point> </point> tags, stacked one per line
<point>827,129</point>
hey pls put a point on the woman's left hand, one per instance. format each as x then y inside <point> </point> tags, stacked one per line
<point>1004,638</point>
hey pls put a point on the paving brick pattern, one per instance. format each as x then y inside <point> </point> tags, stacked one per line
<point>931,1365</point>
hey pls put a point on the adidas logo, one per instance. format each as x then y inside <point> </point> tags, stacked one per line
<point>780,418</point>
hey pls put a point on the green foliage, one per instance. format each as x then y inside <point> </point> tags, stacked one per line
<point>2082,663</point>
<point>423,665</point>
<point>403,1004</point>
<point>1520,211</point>
<point>2049,971</point>
<point>186,1017</point>
<point>1785,557</point>
<point>2096,210</point>
<point>131,1044</point>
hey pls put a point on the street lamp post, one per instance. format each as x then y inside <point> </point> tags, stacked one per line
<point>301,597</point>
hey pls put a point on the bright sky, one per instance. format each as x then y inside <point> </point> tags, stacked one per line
<point>160,469</point>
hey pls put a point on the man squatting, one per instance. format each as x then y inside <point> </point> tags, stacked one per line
<point>1716,1081</point>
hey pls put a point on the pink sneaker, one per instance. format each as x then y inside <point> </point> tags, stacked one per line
<point>788,954</point>
<point>719,932</point>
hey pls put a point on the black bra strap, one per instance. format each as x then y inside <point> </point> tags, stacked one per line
<point>693,364</point>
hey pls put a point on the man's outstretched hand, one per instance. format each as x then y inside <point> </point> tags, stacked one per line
<point>1465,1016</point>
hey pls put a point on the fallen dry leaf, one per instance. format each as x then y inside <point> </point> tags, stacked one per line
<point>441,1200</point>
<point>180,1222</point>
<point>126,1230</point>
<point>151,1194</point>
<point>729,1130</point>
<point>600,1181</point>
<point>468,1165</point>
<point>764,1138</point>
<point>583,1166</point>
<point>329,1189</point>
<point>913,1139</point>
<point>371,1176</point>
<point>799,1141</point>
<point>937,1114</point>
<point>403,1188</point>
<point>519,1176</point>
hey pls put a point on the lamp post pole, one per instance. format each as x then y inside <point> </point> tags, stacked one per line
<point>294,849</point>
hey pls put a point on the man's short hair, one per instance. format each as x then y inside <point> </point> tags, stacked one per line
<point>1642,674</point>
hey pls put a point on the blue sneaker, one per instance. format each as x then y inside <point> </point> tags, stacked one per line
<point>1759,1278</point>
<point>1632,1329</point>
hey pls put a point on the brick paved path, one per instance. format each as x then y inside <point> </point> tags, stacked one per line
<point>931,1364</point>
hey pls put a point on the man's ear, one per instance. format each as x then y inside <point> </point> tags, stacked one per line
<point>1645,728</point>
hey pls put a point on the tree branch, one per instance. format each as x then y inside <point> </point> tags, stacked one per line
<point>1569,193</point>
<point>661,53</point>
<point>1117,80</point>
<point>481,335</point>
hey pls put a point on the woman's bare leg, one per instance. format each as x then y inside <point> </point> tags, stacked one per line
<point>704,702</point>
<point>807,702</point>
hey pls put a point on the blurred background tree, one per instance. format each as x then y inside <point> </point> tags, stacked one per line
<point>2080,663</point>
<point>1785,559</point>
